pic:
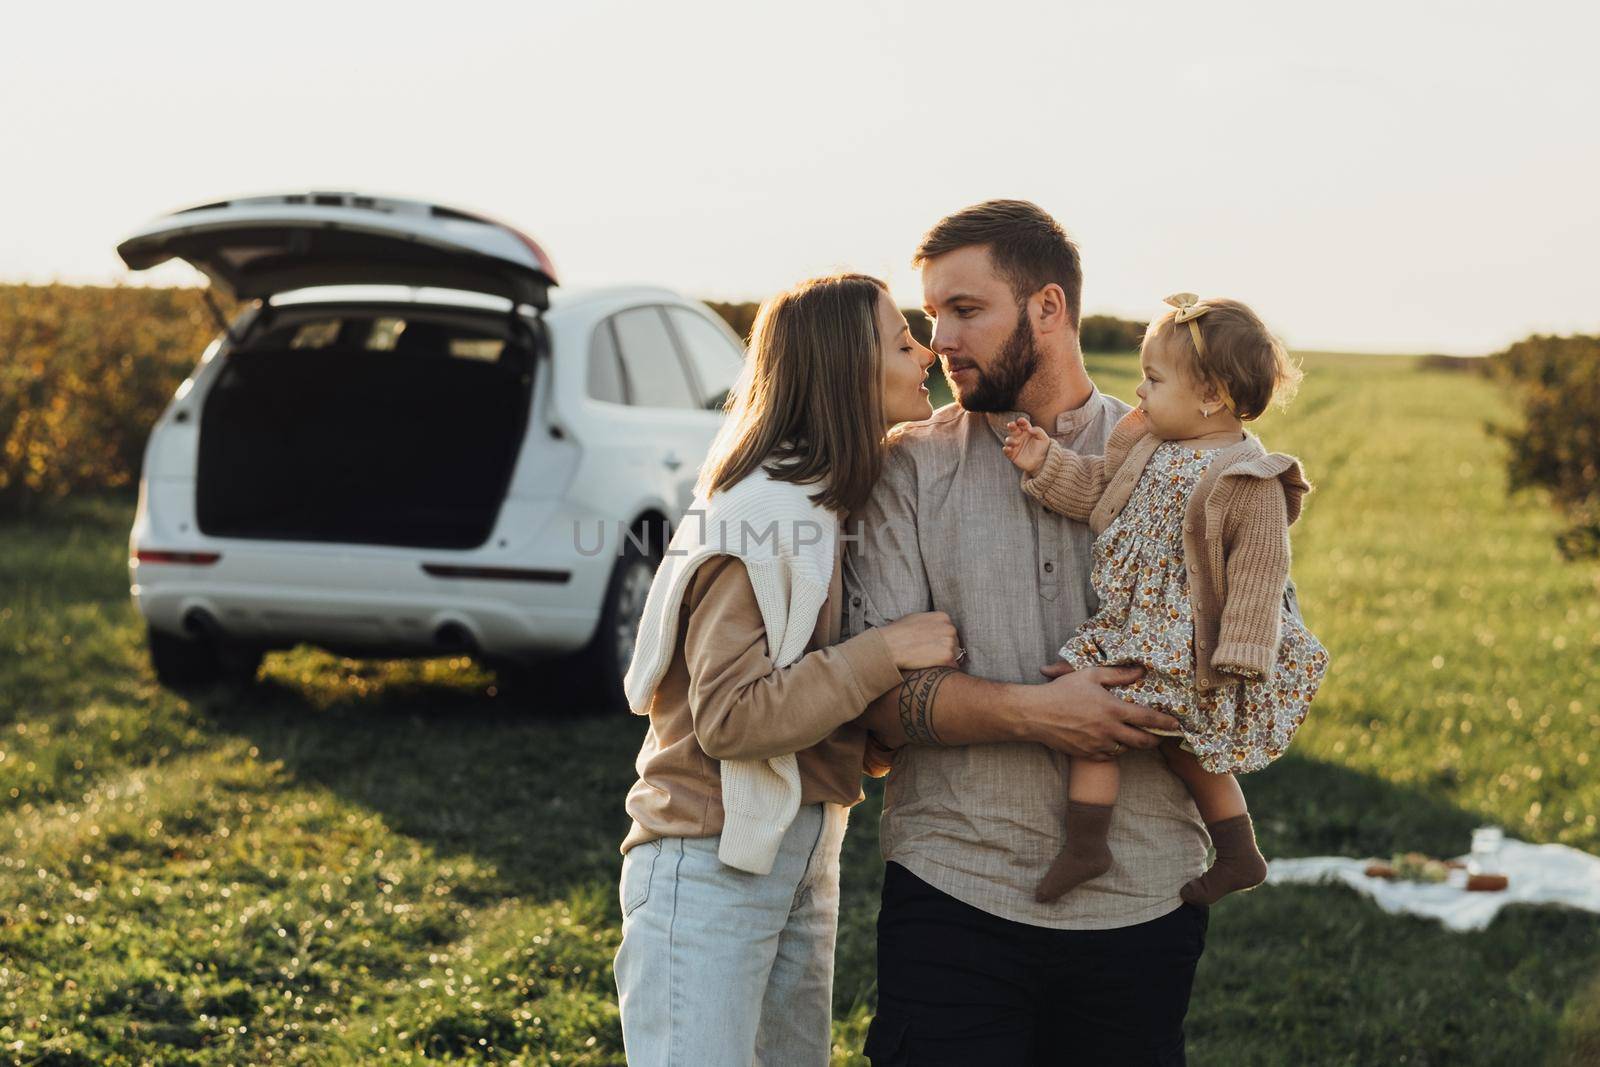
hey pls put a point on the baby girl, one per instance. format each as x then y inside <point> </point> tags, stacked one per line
<point>1191,559</point>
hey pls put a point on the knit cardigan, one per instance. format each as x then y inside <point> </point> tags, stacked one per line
<point>787,543</point>
<point>1235,536</point>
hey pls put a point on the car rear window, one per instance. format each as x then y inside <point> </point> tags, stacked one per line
<point>384,333</point>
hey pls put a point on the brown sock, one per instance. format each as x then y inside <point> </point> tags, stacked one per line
<point>1239,863</point>
<point>1086,855</point>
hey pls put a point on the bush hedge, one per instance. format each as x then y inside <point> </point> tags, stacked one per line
<point>84,371</point>
<point>1557,446</point>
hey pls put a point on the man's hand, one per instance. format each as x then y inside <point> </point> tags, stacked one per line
<point>1074,714</point>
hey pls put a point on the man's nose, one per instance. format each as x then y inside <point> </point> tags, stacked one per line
<point>943,341</point>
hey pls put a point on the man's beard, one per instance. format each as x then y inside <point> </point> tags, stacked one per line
<point>999,385</point>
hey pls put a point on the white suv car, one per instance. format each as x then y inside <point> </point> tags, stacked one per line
<point>409,445</point>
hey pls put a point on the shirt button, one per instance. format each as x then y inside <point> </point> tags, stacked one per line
<point>1194,568</point>
<point>855,602</point>
<point>1048,567</point>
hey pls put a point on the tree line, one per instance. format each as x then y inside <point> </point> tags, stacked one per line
<point>1097,333</point>
<point>85,371</point>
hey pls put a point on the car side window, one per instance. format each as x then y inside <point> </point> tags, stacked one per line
<point>650,363</point>
<point>716,361</point>
<point>605,367</point>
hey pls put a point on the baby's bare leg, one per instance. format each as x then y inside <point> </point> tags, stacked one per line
<point>1239,863</point>
<point>1094,782</point>
<point>1091,794</point>
<point>1218,796</point>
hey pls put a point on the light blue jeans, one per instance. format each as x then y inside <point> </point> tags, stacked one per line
<point>723,968</point>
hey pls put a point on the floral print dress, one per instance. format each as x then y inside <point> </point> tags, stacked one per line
<point>1145,617</point>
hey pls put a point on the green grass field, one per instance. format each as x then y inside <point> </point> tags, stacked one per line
<point>389,862</point>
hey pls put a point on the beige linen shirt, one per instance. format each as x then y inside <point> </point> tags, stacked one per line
<point>948,528</point>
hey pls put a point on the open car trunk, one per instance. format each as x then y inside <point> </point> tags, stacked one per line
<point>391,426</point>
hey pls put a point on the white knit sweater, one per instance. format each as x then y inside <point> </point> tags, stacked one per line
<point>787,544</point>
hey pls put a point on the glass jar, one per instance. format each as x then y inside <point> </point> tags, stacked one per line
<point>1485,857</point>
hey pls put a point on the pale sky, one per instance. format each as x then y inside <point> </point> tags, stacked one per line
<point>1393,176</point>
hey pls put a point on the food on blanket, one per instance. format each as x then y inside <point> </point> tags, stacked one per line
<point>1487,883</point>
<point>1419,867</point>
<point>1413,867</point>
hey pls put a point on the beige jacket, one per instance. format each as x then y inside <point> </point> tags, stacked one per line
<point>722,697</point>
<point>1235,536</point>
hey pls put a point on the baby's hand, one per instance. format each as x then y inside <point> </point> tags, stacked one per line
<point>1026,445</point>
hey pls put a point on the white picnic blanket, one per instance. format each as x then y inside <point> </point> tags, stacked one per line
<point>1539,874</point>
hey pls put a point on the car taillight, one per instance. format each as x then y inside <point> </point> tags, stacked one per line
<point>150,555</point>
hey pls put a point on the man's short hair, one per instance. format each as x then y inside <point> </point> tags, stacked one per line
<point>1029,248</point>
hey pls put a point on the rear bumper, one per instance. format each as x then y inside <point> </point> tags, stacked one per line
<point>382,601</point>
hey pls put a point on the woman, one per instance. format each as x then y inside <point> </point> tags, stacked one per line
<point>730,876</point>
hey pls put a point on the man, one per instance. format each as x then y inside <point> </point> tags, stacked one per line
<point>971,969</point>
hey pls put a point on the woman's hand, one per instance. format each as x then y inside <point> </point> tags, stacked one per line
<point>1026,445</point>
<point>926,639</point>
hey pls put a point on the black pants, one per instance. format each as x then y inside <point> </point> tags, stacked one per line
<point>957,985</point>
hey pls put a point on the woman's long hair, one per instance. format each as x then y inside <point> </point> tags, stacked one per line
<point>809,405</point>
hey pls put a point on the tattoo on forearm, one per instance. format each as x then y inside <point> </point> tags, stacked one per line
<point>916,704</point>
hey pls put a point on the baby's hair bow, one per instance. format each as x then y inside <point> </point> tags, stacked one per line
<point>1189,308</point>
